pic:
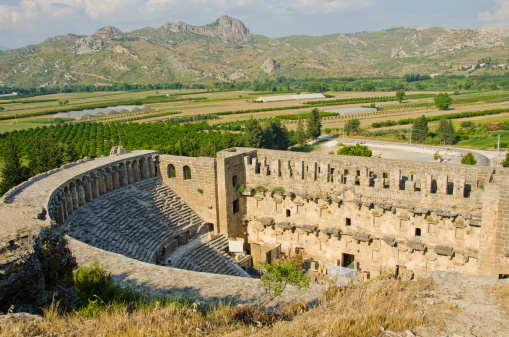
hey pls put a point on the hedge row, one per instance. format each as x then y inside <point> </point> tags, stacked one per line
<point>344,101</point>
<point>458,115</point>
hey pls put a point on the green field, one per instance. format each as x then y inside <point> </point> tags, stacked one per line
<point>496,119</point>
<point>13,127</point>
<point>488,143</point>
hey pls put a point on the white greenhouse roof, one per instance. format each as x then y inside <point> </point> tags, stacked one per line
<point>308,96</point>
<point>99,112</point>
<point>289,97</point>
<point>276,98</point>
<point>350,111</point>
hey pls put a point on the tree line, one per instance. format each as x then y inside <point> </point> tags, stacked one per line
<point>29,152</point>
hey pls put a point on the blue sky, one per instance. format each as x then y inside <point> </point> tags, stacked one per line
<point>24,22</point>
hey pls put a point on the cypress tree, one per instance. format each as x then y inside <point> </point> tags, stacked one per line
<point>253,133</point>
<point>300,133</point>
<point>314,125</point>
<point>420,129</point>
<point>447,132</point>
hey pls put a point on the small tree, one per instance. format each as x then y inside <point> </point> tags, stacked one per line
<point>469,159</point>
<point>443,101</point>
<point>300,133</point>
<point>279,274</point>
<point>314,125</point>
<point>400,95</point>
<point>275,135</point>
<point>352,126</point>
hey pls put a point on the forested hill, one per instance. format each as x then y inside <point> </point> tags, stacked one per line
<point>226,50</point>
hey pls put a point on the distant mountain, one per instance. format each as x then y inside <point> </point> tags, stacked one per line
<point>3,48</point>
<point>225,50</point>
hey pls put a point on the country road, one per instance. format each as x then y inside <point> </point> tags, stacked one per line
<point>481,156</point>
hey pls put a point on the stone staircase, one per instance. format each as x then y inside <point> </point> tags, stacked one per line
<point>211,257</point>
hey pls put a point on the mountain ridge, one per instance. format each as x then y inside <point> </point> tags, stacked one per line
<point>225,50</point>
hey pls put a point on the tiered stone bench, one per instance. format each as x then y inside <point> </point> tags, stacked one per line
<point>136,220</point>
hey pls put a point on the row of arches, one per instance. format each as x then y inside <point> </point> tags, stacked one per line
<point>77,192</point>
<point>172,172</point>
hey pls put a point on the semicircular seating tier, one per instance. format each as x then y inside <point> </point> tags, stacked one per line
<point>121,204</point>
<point>136,220</point>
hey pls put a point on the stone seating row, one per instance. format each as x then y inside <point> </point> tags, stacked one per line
<point>135,220</point>
<point>211,257</point>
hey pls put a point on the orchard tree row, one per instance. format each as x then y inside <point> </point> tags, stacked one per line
<point>33,151</point>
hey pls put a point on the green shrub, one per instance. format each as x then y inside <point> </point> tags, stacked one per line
<point>278,189</point>
<point>241,189</point>
<point>200,191</point>
<point>357,150</point>
<point>94,283</point>
<point>469,159</point>
<point>505,163</point>
<point>259,188</point>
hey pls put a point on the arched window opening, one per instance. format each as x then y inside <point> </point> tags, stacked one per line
<point>187,172</point>
<point>171,171</point>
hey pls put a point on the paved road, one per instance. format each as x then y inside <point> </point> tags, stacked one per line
<point>482,160</point>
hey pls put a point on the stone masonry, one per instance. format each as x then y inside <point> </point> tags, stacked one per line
<point>120,205</point>
<point>373,215</point>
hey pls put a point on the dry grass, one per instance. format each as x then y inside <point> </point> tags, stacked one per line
<point>362,311</point>
<point>502,291</point>
<point>354,311</point>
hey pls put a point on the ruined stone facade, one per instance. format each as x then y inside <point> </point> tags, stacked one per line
<point>373,215</point>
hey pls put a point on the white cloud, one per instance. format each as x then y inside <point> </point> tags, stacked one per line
<point>35,20</point>
<point>318,6</point>
<point>499,17</point>
<point>46,10</point>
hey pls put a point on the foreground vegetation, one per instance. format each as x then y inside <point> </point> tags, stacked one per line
<point>105,308</point>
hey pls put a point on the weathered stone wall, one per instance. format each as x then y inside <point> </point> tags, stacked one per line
<point>35,263</point>
<point>429,185</point>
<point>495,240</point>
<point>231,174</point>
<point>385,214</point>
<point>199,191</point>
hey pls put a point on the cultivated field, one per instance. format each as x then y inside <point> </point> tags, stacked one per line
<point>23,113</point>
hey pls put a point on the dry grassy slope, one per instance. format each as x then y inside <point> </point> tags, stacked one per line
<point>440,305</point>
<point>152,55</point>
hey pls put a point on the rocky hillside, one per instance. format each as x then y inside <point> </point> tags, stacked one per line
<point>225,50</point>
<point>225,29</point>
